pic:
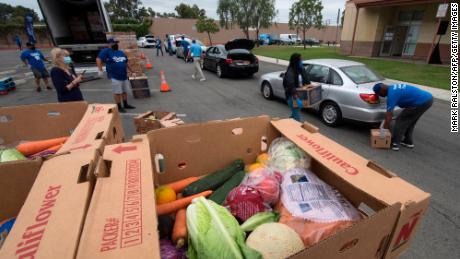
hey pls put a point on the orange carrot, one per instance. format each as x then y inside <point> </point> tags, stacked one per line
<point>55,148</point>
<point>32,147</point>
<point>178,186</point>
<point>179,233</point>
<point>170,207</point>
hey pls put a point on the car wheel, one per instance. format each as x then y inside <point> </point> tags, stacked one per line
<point>219,72</point>
<point>267,91</point>
<point>331,114</point>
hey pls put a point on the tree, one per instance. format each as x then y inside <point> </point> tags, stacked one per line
<point>205,24</point>
<point>263,15</point>
<point>166,15</point>
<point>304,15</point>
<point>186,11</point>
<point>247,14</point>
<point>226,9</point>
<point>15,14</point>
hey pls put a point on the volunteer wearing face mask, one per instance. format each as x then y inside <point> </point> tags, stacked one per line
<point>291,83</point>
<point>34,58</point>
<point>116,64</point>
<point>64,78</point>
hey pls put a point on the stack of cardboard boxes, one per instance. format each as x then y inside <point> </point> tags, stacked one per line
<point>85,204</point>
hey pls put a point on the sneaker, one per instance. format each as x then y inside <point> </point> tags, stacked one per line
<point>407,144</point>
<point>193,76</point>
<point>129,107</point>
<point>202,79</point>
<point>395,147</point>
<point>122,110</point>
<point>39,89</point>
<point>49,88</point>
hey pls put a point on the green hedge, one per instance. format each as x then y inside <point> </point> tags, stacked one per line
<point>140,29</point>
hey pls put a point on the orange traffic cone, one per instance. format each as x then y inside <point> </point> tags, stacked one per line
<point>164,87</point>
<point>142,55</point>
<point>148,64</point>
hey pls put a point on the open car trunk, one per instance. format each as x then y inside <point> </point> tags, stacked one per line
<point>241,55</point>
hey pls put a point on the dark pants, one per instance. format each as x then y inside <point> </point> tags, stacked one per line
<point>158,50</point>
<point>405,123</point>
<point>170,50</point>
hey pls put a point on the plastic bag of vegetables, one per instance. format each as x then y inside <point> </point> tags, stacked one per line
<point>214,233</point>
<point>285,155</point>
<point>266,182</point>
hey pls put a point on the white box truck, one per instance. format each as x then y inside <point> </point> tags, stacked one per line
<point>78,26</point>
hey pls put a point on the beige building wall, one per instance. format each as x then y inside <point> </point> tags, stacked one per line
<point>371,25</point>
<point>163,26</point>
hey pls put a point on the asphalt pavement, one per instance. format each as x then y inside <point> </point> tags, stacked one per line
<point>433,165</point>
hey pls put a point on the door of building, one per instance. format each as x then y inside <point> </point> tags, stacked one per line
<point>387,41</point>
<point>399,40</point>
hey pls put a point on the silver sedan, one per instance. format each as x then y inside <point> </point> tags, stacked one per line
<point>346,90</point>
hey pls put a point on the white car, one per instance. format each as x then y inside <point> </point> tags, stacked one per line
<point>288,39</point>
<point>147,41</point>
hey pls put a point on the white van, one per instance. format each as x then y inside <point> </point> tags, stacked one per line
<point>288,39</point>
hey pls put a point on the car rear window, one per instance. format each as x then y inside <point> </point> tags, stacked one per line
<point>361,74</point>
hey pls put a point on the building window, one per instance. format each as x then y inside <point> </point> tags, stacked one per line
<point>413,15</point>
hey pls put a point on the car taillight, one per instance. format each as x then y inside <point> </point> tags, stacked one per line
<point>370,98</point>
<point>228,61</point>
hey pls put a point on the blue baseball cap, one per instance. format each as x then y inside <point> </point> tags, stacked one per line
<point>112,41</point>
<point>377,88</point>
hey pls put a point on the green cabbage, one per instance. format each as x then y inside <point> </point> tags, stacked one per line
<point>214,233</point>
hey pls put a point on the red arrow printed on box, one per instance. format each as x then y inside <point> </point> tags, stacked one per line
<point>81,147</point>
<point>120,149</point>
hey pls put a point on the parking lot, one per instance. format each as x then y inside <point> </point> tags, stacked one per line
<point>433,165</point>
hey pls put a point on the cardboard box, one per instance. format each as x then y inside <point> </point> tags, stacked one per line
<point>377,141</point>
<point>101,125</point>
<point>310,95</point>
<point>37,122</point>
<point>144,124</point>
<point>121,220</point>
<point>195,149</point>
<point>140,87</point>
<point>16,180</point>
<point>50,222</point>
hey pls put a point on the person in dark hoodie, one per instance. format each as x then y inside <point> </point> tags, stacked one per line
<point>291,82</point>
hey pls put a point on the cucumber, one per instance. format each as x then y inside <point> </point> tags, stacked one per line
<point>213,180</point>
<point>219,195</point>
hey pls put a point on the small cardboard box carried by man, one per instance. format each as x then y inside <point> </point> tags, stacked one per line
<point>380,138</point>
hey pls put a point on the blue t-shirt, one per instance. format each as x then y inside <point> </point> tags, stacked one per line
<point>116,63</point>
<point>34,58</point>
<point>104,55</point>
<point>406,96</point>
<point>185,45</point>
<point>195,50</point>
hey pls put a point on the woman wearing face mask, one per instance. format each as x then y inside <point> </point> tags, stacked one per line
<point>64,78</point>
<point>291,82</point>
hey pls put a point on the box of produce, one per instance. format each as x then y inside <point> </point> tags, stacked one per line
<point>308,95</point>
<point>380,138</point>
<point>50,221</point>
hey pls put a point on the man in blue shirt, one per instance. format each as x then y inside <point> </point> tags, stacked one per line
<point>34,58</point>
<point>116,63</point>
<point>415,102</point>
<point>195,52</point>
<point>185,46</point>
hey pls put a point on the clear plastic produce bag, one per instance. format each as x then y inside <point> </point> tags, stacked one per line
<point>285,155</point>
<point>266,182</point>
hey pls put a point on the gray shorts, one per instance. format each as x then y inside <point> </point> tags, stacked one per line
<point>120,86</point>
<point>40,73</point>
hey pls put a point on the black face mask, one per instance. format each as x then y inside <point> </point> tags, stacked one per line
<point>32,48</point>
<point>115,46</point>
